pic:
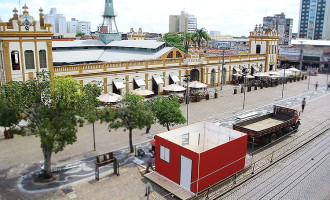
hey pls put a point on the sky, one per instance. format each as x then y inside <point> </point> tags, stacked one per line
<point>231,17</point>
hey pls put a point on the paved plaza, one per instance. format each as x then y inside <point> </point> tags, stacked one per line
<point>22,155</point>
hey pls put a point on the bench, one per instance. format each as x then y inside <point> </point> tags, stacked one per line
<point>105,159</point>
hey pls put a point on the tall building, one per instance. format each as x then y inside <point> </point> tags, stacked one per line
<point>314,20</point>
<point>58,21</point>
<point>282,25</point>
<point>182,23</point>
<point>76,26</point>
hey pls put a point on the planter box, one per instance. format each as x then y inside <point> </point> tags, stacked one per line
<point>8,135</point>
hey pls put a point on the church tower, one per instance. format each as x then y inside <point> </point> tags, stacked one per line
<point>265,42</point>
<point>109,31</point>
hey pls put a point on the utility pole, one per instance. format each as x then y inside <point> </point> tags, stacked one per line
<point>223,64</point>
<point>301,55</point>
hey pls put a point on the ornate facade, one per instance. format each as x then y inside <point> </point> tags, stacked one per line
<point>19,47</point>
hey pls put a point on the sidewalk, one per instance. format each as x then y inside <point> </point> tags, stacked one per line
<point>21,155</point>
<point>82,169</point>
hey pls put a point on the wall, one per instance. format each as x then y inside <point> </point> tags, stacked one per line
<point>171,170</point>
<point>216,158</point>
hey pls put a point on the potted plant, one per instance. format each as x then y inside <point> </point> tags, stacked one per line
<point>249,86</point>
<point>235,90</point>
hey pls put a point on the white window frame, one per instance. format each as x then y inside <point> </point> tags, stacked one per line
<point>164,153</point>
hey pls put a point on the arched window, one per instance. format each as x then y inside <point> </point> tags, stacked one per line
<point>42,59</point>
<point>15,64</point>
<point>178,54</point>
<point>258,49</point>
<point>29,59</point>
<point>170,55</point>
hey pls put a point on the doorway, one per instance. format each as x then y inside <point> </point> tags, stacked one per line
<point>185,172</point>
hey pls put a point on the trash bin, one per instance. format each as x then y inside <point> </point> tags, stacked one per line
<point>207,97</point>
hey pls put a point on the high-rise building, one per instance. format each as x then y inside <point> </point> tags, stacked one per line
<point>182,23</point>
<point>282,25</point>
<point>314,20</point>
<point>76,26</point>
<point>58,21</point>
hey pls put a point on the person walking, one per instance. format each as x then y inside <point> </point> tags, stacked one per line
<point>316,85</point>
<point>303,104</point>
<point>150,157</point>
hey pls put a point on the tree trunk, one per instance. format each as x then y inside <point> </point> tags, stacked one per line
<point>168,127</point>
<point>47,162</point>
<point>131,141</point>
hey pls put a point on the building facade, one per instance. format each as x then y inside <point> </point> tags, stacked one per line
<point>314,19</point>
<point>76,26</point>
<point>25,47</point>
<point>58,21</point>
<point>182,23</point>
<point>282,25</point>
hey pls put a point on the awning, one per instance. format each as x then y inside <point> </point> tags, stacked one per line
<point>175,78</point>
<point>119,84</point>
<point>255,68</point>
<point>237,69</point>
<point>139,81</point>
<point>158,79</point>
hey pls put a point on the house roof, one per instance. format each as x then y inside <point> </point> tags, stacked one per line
<point>201,136</point>
<point>109,55</point>
<point>149,44</point>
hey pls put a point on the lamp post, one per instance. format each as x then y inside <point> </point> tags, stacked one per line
<point>309,76</point>
<point>187,76</point>
<point>283,79</point>
<point>301,55</point>
<point>222,64</point>
<point>327,83</point>
<point>245,72</point>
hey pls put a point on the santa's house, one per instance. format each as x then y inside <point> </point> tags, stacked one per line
<point>200,155</point>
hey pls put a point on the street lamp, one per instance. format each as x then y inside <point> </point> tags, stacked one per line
<point>245,71</point>
<point>309,75</point>
<point>283,79</point>
<point>301,54</point>
<point>187,79</point>
<point>222,69</point>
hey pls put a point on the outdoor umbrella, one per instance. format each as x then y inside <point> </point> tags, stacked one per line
<point>287,73</point>
<point>197,84</point>
<point>142,92</point>
<point>293,69</point>
<point>109,98</point>
<point>237,75</point>
<point>274,76</point>
<point>249,76</point>
<point>274,73</point>
<point>174,88</point>
<point>261,75</point>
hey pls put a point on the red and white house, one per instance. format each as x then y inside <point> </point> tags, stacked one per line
<point>200,155</point>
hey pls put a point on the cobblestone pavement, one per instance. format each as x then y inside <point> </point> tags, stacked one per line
<point>22,155</point>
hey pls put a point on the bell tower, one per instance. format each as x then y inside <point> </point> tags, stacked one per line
<point>265,42</point>
<point>109,31</point>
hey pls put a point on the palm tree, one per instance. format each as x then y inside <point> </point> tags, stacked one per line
<point>200,36</point>
<point>186,40</point>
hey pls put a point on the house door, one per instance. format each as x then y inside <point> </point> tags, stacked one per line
<point>185,172</point>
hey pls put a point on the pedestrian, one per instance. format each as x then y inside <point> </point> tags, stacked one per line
<point>303,104</point>
<point>150,157</point>
<point>316,85</point>
<point>152,142</point>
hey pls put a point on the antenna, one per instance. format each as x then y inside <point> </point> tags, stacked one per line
<point>20,12</point>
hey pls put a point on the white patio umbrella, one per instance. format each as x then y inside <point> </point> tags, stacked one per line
<point>197,84</point>
<point>174,88</point>
<point>249,76</point>
<point>109,98</point>
<point>261,75</point>
<point>238,75</point>
<point>274,73</point>
<point>295,70</point>
<point>142,92</point>
<point>287,73</point>
<point>274,76</point>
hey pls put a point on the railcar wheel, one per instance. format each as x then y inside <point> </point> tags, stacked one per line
<point>272,138</point>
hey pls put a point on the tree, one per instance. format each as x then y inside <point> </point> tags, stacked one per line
<point>187,38</point>
<point>168,112</point>
<point>53,110</point>
<point>174,40</point>
<point>80,34</point>
<point>131,114</point>
<point>200,35</point>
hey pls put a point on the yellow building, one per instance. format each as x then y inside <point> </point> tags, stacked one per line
<point>123,65</point>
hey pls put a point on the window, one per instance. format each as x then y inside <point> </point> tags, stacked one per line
<point>29,59</point>
<point>42,59</point>
<point>258,49</point>
<point>15,64</point>
<point>164,153</point>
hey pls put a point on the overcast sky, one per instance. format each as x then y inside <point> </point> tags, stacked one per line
<point>233,17</point>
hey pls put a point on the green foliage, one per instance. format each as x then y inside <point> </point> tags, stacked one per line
<point>200,35</point>
<point>80,34</point>
<point>168,112</point>
<point>175,40</point>
<point>52,107</point>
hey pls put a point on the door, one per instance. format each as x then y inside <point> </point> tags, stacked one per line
<point>185,172</point>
